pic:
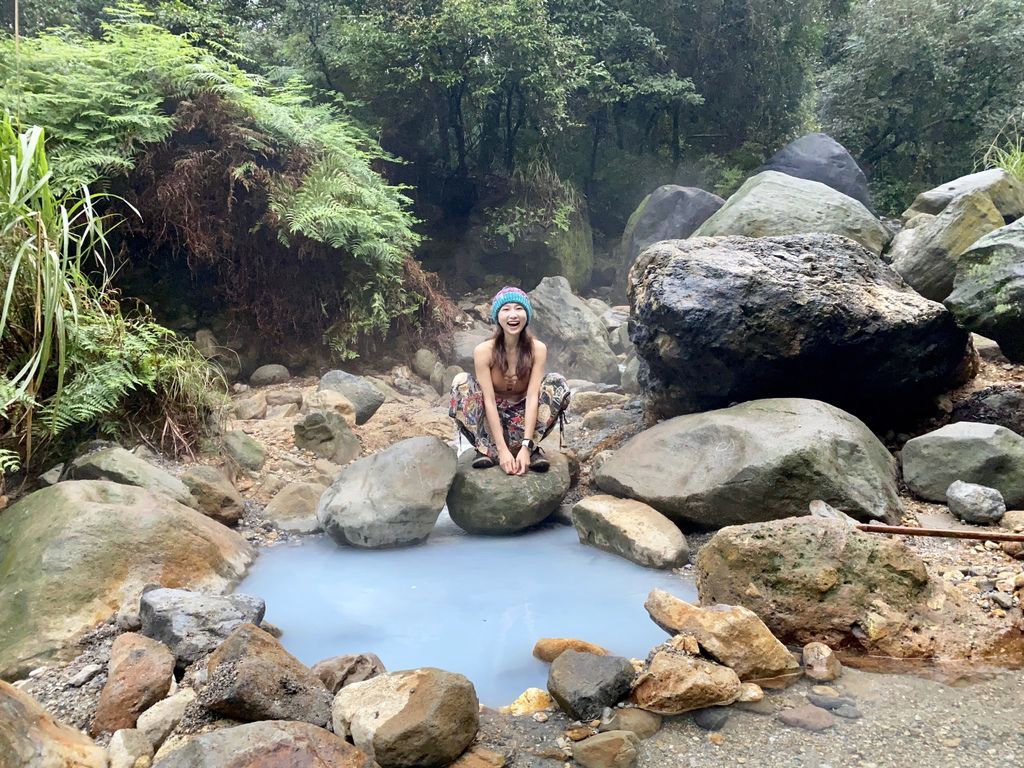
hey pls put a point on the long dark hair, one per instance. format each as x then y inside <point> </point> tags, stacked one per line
<point>524,363</point>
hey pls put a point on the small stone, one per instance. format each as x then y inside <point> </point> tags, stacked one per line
<point>716,738</point>
<point>824,690</point>
<point>1002,600</point>
<point>750,692</point>
<point>808,717</point>
<point>530,701</point>
<point>87,673</point>
<point>612,749</point>
<point>540,717</point>
<point>848,711</point>
<point>711,719</point>
<point>974,503</point>
<point>550,648</point>
<point>579,734</point>
<point>828,702</point>
<point>820,663</point>
<point>160,720</point>
<point>641,722</point>
<point>129,748</point>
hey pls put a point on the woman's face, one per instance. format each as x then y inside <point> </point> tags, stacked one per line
<point>512,318</point>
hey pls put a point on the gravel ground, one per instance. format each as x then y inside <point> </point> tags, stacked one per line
<point>907,720</point>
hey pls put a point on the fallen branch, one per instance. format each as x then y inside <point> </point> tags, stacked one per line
<point>955,533</point>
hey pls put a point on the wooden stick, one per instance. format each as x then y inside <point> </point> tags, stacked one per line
<point>956,533</point>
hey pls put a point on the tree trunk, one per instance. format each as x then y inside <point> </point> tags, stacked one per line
<point>444,149</point>
<point>599,121</point>
<point>676,149</point>
<point>459,127</point>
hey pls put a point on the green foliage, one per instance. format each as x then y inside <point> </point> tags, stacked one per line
<point>110,103</point>
<point>69,360</point>
<point>919,85</point>
<point>541,202</point>
<point>1007,150</point>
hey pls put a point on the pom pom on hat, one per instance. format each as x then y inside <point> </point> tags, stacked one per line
<point>510,295</point>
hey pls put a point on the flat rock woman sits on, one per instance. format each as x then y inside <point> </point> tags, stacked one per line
<point>502,404</point>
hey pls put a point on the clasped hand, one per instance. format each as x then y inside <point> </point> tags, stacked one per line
<point>514,465</point>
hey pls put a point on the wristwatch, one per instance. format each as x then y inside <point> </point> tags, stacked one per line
<point>529,444</point>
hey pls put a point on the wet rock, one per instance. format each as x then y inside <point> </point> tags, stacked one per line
<point>423,717</point>
<point>363,395</point>
<point>30,736</point>
<point>584,684</point>
<point>86,526</point>
<point>160,720</point>
<point>330,401</point>
<point>776,204</point>
<point>120,466</point>
<point>641,722</point>
<point>732,319</point>
<point>975,503</point>
<point>129,748</point>
<point>266,375</point>
<point>820,663</point>
<point>1001,404</point>
<point>670,212</point>
<point>731,635</point>
<point>252,677</point>
<point>926,252</point>
<point>389,499</point>
<point>847,711</point>
<point>550,648</point>
<point>674,682</point>
<point>244,450</point>
<point>630,529</point>
<point>808,717</point>
<point>984,454</point>
<point>611,749</point>
<point>339,671</point>
<point>1004,190</point>
<point>819,157</point>
<point>294,507</point>
<point>138,676</point>
<point>813,579</point>
<point>771,458</point>
<point>193,624</point>
<point>576,339</point>
<point>487,501</point>
<point>269,744</point>
<point>827,701</point>
<point>327,434</point>
<point>711,718</point>
<point>214,494</point>
<point>988,292</point>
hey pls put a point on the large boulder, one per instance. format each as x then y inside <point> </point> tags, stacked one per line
<point>584,684</point>
<point>214,494</point>
<point>267,744</point>
<point>819,157</point>
<point>1002,404</point>
<point>1004,190</point>
<point>761,460</point>
<point>192,624</point>
<point>926,252</point>
<point>31,738</point>
<point>984,454</point>
<point>670,212</point>
<point>293,508</point>
<point>723,320</point>
<point>631,529</point>
<point>487,501</point>
<point>389,499</point>
<point>76,553</point>
<point>815,579</point>
<point>422,717</point>
<point>117,465</point>
<point>364,396</point>
<point>773,203</point>
<point>988,291</point>
<point>578,344</point>
<point>252,677</point>
<point>729,634</point>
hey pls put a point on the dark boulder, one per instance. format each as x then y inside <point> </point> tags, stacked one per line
<point>729,319</point>
<point>670,212</point>
<point>1002,404</point>
<point>819,157</point>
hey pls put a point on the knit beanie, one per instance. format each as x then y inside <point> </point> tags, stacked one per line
<point>510,295</point>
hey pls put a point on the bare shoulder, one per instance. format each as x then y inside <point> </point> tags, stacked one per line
<point>539,347</point>
<point>482,351</point>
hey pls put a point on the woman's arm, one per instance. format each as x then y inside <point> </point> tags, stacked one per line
<point>482,367</point>
<point>540,355</point>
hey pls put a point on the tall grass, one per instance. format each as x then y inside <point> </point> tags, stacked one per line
<point>69,359</point>
<point>1007,149</point>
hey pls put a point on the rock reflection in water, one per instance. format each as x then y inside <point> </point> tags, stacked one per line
<point>474,605</point>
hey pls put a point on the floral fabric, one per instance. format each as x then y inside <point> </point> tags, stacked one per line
<point>467,408</point>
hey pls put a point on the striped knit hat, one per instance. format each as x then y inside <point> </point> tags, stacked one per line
<point>510,295</point>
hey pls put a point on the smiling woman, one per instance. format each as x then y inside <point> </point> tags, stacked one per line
<point>509,395</point>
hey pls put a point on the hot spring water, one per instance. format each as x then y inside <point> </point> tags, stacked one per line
<point>468,604</point>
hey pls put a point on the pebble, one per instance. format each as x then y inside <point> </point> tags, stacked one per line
<point>848,711</point>
<point>828,702</point>
<point>711,718</point>
<point>808,717</point>
<point>1001,599</point>
<point>88,672</point>
<point>716,738</point>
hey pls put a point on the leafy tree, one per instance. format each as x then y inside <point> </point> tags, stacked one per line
<point>920,87</point>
